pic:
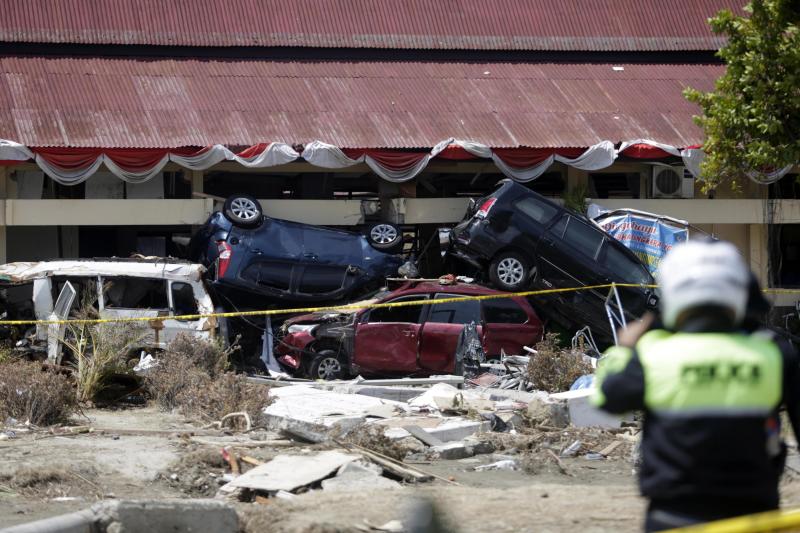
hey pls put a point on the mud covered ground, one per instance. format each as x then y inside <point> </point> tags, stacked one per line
<point>142,453</point>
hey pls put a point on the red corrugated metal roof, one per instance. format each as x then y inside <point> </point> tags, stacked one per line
<point>409,24</point>
<point>170,103</point>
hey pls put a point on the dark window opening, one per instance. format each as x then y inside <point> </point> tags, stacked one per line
<point>135,293</point>
<point>408,314</point>
<point>85,290</point>
<point>785,255</point>
<point>786,188</point>
<point>614,185</point>
<point>503,311</point>
<point>183,300</point>
<point>455,312</point>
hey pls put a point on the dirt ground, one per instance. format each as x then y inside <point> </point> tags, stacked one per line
<point>139,453</point>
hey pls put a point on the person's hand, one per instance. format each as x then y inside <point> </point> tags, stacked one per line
<point>630,335</point>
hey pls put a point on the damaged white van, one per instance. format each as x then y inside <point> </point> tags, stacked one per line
<point>157,289</point>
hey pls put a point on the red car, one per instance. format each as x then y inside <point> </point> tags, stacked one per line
<point>417,340</point>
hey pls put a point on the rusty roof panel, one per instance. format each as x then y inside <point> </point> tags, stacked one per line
<point>103,102</point>
<point>598,25</point>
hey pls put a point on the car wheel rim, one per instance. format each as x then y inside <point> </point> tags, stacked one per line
<point>329,368</point>
<point>383,234</point>
<point>244,208</point>
<point>510,271</point>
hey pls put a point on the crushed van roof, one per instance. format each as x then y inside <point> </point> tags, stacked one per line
<point>26,271</point>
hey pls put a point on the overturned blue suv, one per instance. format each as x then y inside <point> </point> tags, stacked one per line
<point>252,257</point>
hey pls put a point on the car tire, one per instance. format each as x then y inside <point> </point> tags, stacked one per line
<point>326,365</point>
<point>510,271</point>
<point>243,210</point>
<point>385,237</point>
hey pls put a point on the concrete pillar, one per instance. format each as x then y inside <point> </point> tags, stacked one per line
<point>759,252</point>
<point>4,177</point>
<point>197,180</point>
<point>576,177</point>
<point>386,191</point>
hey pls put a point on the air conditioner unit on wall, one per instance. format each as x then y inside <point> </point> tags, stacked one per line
<point>672,182</point>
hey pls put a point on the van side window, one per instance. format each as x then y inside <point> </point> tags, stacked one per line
<point>540,212</point>
<point>583,237</point>
<point>183,301</point>
<point>136,293</point>
<point>558,228</point>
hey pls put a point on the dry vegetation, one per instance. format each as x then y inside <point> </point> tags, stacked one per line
<point>192,377</point>
<point>30,393</point>
<point>555,369</point>
<point>101,351</point>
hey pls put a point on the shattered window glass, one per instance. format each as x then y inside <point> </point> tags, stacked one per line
<point>504,311</point>
<point>583,237</point>
<point>135,293</point>
<point>405,314</point>
<point>455,312</point>
<point>539,211</point>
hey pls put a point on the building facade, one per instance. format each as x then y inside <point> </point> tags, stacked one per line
<point>123,123</point>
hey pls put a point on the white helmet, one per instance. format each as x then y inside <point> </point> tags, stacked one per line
<point>702,273</point>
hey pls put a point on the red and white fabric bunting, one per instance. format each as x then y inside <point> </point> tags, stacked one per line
<point>70,166</point>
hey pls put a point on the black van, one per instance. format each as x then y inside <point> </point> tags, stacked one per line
<point>526,241</point>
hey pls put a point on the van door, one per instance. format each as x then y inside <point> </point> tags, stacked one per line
<point>184,301</point>
<point>441,331</point>
<point>387,338</point>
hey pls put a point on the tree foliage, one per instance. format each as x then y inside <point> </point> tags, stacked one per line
<point>752,118</point>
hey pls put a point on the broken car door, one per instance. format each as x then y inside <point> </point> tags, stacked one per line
<point>507,327</point>
<point>186,299</point>
<point>387,338</point>
<point>442,328</point>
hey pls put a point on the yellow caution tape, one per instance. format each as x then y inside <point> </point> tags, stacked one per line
<point>346,307</point>
<point>788,520</point>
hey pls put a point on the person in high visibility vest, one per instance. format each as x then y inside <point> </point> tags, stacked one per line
<point>710,391</point>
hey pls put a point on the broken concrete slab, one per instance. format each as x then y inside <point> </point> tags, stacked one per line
<point>423,436</point>
<point>583,414</point>
<point>356,477</point>
<point>452,450</point>
<point>290,472</point>
<point>397,393</point>
<point>310,413</point>
<point>445,429</point>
